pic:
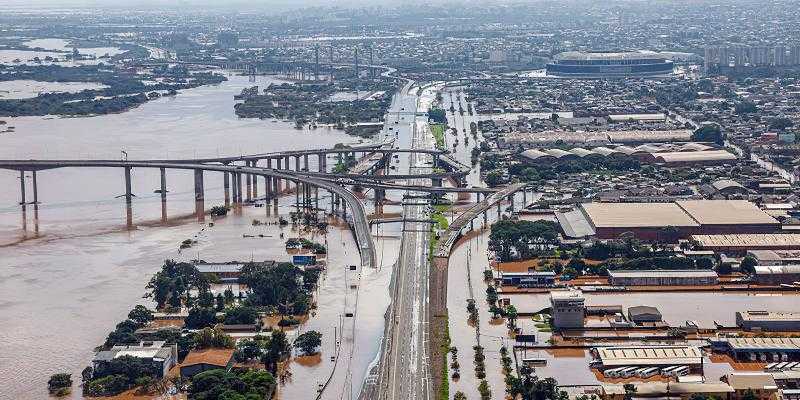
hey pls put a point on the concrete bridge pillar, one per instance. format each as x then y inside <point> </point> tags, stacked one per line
<point>511,200</point>
<point>380,196</point>
<point>286,163</point>
<point>248,183</point>
<point>226,184</point>
<point>267,188</point>
<point>296,164</point>
<point>321,162</point>
<point>269,163</point>
<point>278,163</point>
<point>305,162</point>
<point>436,182</point>
<point>485,217</point>
<point>35,188</point>
<point>128,194</point>
<point>199,204</point>
<point>198,184</point>
<point>238,185</point>
<point>255,180</point>
<point>163,172</point>
<point>22,187</point>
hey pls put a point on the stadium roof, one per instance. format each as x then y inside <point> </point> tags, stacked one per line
<point>695,156</point>
<point>722,212</point>
<point>630,215</point>
<point>590,56</point>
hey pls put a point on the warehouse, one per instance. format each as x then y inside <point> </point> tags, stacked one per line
<point>743,242</point>
<point>529,279</point>
<point>681,219</point>
<point>644,314</point>
<point>663,278</point>
<point>768,321</point>
<point>775,257</point>
<point>777,274</point>
<point>645,220</point>
<point>654,356</point>
<point>762,349</point>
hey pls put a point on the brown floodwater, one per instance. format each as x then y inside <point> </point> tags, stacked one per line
<point>71,269</point>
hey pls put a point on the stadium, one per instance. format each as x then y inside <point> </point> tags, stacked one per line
<point>607,64</point>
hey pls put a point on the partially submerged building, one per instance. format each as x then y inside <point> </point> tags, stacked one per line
<point>693,277</point>
<point>768,320</point>
<point>159,354</point>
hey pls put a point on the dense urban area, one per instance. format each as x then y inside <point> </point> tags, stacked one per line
<point>533,200</point>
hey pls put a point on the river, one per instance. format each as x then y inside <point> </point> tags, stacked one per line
<point>72,269</point>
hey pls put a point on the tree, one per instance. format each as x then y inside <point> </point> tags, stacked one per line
<point>780,124</point>
<point>705,263</point>
<point>200,317</point>
<point>240,316</point>
<point>213,338</point>
<point>229,297</point>
<point>277,348</point>
<point>59,384</point>
<point>511,314</point>
<point>748,264</point>
<point>219,384</point>
<point>220,302</point>
<point>709,133</point>
<point>248,349</point>
<point>521,237</point>
<point>630,390</point>
<point>140,315</point>
<point>459,396</point>
<point>308,342</point>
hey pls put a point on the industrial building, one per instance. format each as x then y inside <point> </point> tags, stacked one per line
<point>668,153</point>
<point>644,315</point>
<point>671,221</point>
<point>768,321</point>
<point>529,279</point>
<point>777,274</point>
<point>160,355</point>
<point>762,349</point>
<point>744,242</point>
<point>775,257</point>
<point>608,64</point>
<point>653,356</point>
<point>568,309</point>
<point>663,278</point>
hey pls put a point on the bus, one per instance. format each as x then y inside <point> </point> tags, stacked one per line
<point>668,370</point>
<point>647,372</point>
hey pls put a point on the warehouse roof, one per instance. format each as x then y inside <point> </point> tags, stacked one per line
<point>694,156</point>
<point>758,315</point>
<point>777,269</point>
<point>721,212</point>
<point>687,273</point>
<point>745,241</point>
<point>649,355</point>
<point>762,343</point>
<point>624,215</point>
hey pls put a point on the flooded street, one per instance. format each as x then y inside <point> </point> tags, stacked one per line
<point>75,271</point>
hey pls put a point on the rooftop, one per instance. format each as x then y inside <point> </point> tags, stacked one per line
<point>762,343</point>
<point>758,315</point>
<point>655,273</point>
<point>777,269</point>
<point>762,240</point>
<point>720,212</point>
<point>218,357</point>
<point>626,215</point>
<point>649,355</point>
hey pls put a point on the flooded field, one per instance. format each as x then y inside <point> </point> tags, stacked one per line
<point>23,89</point>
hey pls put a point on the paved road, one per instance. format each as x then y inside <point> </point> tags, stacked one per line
<point>404,368</point>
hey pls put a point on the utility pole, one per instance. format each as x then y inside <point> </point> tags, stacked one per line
<point>371,63</point>
<point>356,62</point>
<point>316,63</point>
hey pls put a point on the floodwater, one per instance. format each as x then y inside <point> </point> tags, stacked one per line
<point>23,89</point>
<point>71,269</point>
<point>53,48</point>
<point>61,44</point>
